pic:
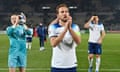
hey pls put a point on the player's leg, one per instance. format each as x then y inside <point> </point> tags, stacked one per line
<point>21,69</point>
<point>22,63</point>
<point>90,60</point>
<point>42,44</point>
<point>27,39</point>
<point>12,70</point>
<point>90,56</point>
<point>30,43</point>
<point>97,63</point>
<point>12,61</point>
<point>27,45</point>
<point>98,58</point>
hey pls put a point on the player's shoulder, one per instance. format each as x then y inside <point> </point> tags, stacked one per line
<point>9,27</point>
<point>100,24</point>
<point>74,25</point>
<point>54,25</point>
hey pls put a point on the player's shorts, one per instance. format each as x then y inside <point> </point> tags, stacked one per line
<point>94,48</point>
<point>16,61</point>
<point>63,69</point>
<point>29,39</point>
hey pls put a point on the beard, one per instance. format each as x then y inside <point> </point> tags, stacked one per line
<point>64,20</point>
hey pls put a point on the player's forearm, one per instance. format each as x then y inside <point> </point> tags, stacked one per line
<point>87,24</point>
<point>101,37</point>
<point>58,39</point>
<point>75,37</point>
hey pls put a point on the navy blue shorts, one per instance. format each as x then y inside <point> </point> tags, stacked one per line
<point>29,39</point>
<point>94,48</point>
<point>63,69</point>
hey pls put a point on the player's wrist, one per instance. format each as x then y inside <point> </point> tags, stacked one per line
<point>70,28</point>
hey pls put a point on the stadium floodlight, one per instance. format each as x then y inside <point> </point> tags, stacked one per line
<point>72,7</point>
<point>45,7</point>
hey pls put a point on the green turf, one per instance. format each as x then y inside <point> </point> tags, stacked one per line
<point>40,61</point>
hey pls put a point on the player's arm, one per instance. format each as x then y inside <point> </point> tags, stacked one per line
<point>56,40</point>
<point>9,31</point>
<point>76,36</point>
<point>23,20</point>
<point>102,36</point>
<point>87,24</point>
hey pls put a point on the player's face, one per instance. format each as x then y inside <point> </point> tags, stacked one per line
<point>14,19</point>
<point>63,13</point>
<point>96,19</point>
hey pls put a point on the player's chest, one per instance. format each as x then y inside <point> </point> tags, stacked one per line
<point>19,31</point>
<point>97,28</point>
<point>60,30</point>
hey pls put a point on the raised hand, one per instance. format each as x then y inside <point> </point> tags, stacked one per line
<point>17,20</point>
<point>69,21</point>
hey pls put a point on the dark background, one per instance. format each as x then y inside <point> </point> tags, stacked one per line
<point>44,11</point>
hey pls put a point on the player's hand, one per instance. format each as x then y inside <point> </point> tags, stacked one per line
<point>15,22</point>
<point>69,21</point>
<point>100,41</point>
<point>92,18</point>
<point>23,17</point>
<point>67,25</point>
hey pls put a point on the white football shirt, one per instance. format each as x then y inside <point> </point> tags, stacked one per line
<point>64,54</point>
<point>95,32</point>
<point>31,30</point>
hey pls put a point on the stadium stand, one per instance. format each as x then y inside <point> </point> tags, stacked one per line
<point>108,11</point>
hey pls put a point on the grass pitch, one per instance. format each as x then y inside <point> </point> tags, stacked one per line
<point>39,61</point>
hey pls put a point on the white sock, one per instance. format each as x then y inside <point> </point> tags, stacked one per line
<point>90,62</point>
<point>97,63</point>
<point>26,45</point>
<point>30,45</point>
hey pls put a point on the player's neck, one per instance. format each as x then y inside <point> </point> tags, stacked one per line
<point>95,22</point>
<point>62,23</point>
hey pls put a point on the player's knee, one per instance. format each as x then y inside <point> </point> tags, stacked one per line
<point>97,56</point>
<point>90,56</point>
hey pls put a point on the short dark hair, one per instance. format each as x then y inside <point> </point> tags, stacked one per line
<point>59,6</point>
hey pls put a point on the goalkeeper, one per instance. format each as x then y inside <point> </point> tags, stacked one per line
<point>17,51</point>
